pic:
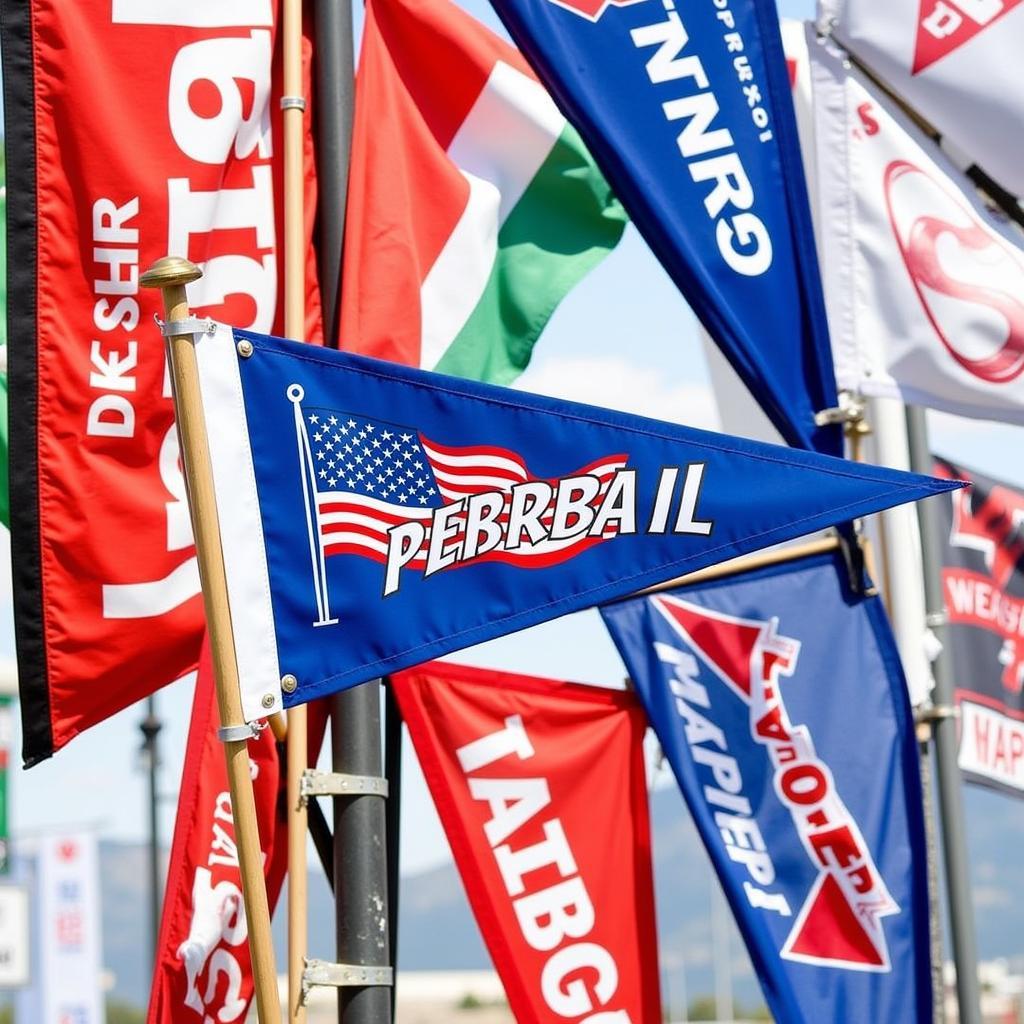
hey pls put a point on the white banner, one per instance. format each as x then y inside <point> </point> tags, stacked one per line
<point>65,986</point>
<point>924,285</point>
<point>956,62</point>
<point>14,936</point>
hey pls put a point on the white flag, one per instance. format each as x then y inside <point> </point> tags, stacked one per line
<point>956,62</point>
<point>924,285</point>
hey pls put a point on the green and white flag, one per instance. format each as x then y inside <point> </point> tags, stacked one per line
<point>474,206</point>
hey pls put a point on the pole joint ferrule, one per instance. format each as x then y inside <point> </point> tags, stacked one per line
<point>238,733</point>
<point>190,325</point>
<point>317,783</point>
<point>320,972</point>
<point>293,102</point>
<point>936,620</point>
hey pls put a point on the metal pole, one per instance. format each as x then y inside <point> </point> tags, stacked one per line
<point>393,773</point>
<point>360,860</point>
<point>360,854</point>
<point>953,825</point>
<point>150,726</point>
<point>335,96</point>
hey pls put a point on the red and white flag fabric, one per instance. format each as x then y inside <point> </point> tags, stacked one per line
<point>371,477</point>
<point>953,61</point>
<point>473,205</point>
<point>541,789</point>
<point>105,576</point>
<point>924,285</point>
<point>983,584</point>
<point>203,972</point>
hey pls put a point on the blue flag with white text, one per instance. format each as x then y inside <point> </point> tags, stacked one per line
<point>687,110</point>
<point>779,700</point>
<point>375,516</point>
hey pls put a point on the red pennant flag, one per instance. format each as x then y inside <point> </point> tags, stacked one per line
<point>203,972</point>
<point>541,789</point>
<point>107,605</point>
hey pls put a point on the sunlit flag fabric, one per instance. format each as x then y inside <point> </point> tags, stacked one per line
<point>543,532</point>
<point>687,111</point>
<point>542,791</point>
<point>779,701</point>
<point>473,205</point>
<point>955,62</point>
<point>925,285</point>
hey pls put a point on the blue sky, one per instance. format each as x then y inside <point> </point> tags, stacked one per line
<point>624,338</point>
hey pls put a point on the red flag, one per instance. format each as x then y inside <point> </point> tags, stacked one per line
<point>203,971</point>
<point>542,792</point>
<point>137,129</point>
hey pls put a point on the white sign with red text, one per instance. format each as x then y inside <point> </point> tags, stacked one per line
<point>953,61</point>
<point>924,285</point>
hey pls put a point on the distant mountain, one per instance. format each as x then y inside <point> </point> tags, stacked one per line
<point>433,904</point>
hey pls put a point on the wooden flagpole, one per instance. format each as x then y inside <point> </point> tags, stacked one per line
<point>293,107</point>
<point>170,275</point>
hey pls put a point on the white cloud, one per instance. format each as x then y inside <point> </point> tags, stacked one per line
<point>615,383</point>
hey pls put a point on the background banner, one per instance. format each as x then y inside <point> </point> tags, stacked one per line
<point>924,283</point>
<point>105,577</point>
<point>542,792</point>
<point>689,115</point>
<point>954,62</point>
<point>791,738</point>
<point>983,581</point>
<point>67,958</point>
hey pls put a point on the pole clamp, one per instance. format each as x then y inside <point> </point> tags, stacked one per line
<point>314,783</point>
<point>190,325</point>
<point>849,410</point>
<point>293,102</point>
<point>935,713</point>
<point>235,733</point>
<point>935,620</point>
<point>320,972</point>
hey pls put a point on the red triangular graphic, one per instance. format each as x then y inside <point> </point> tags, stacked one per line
<point>726,643</point>
<point>945,25</point>
<point>831,931</point>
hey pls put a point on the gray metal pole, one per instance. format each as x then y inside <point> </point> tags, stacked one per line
<point>150,726</point>
<point>360,861</point>
<point>360,855</point>
<point>335,100</point>
<point>953,826</point>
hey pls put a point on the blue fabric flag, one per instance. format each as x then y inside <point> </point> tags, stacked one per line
<point>687,109</point>
<point>779,701</point>
<point>375,516</point>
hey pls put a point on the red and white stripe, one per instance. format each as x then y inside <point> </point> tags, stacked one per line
<point>358,525</point>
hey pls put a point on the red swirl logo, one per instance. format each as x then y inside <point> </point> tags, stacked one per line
<point>969,279</point>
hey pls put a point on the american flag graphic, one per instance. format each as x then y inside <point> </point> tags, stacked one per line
<point>370,476</point>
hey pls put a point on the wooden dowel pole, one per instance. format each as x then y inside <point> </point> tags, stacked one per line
<point>171,274</point>
<point>295,328</point>
<point>745,563</point>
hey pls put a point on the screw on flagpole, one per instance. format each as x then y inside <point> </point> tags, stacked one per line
<point>170,275</point>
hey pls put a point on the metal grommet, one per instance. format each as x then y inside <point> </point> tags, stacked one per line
<point>289,683</point>
<point>245,348</point>
<point>268,700</point>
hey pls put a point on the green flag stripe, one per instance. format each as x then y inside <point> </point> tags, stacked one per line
<point>564,224</point>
